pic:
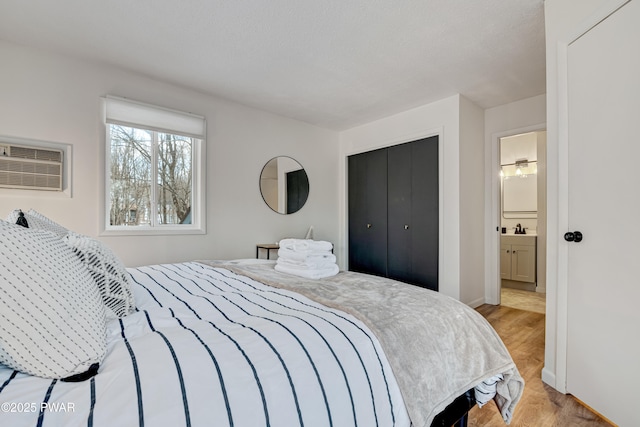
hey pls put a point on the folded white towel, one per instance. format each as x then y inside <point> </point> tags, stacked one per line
<point>309,273</point>
<point>303,245</point>
<point>303,257</point>
<point>309,264</point>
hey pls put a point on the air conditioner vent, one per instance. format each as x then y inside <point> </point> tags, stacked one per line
<point>30,167</point>
<point>35,154</point>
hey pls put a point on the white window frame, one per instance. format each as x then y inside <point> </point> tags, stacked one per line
<point>125,112</point>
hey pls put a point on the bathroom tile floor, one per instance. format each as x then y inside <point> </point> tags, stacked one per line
<point>523,300</point>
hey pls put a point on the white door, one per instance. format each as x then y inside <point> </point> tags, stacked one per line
<point>603,325</point>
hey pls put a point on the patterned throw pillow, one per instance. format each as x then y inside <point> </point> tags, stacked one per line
<point>105,268</point>
<point>108,272</point>
<point>52,319</point>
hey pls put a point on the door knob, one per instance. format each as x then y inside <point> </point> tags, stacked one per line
<point>406,227</point>
<point>573,236</point>
<point>369,225</point>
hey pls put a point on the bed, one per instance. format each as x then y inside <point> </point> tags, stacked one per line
<point>236,343</point>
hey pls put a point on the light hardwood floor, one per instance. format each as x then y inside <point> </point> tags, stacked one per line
<point>523,334</point>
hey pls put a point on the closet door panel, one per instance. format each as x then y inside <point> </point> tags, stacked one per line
<point>399,228</point>
<point>425,212</point>
<point>368,212</point>
<point>394,213</point>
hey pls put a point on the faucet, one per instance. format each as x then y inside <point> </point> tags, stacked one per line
<point>519,229</point>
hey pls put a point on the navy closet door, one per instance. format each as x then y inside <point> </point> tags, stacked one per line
<point>425,213</point>
<point>400,227</point>
<point>413,213</point>
<point>394,212</point>
<point>368,212</point>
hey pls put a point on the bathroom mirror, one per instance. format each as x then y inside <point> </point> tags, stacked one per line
<point>519,175</point>
<point>284,185</point>
<point>520,192</point>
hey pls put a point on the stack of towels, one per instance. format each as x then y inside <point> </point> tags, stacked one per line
<point>311,259</point>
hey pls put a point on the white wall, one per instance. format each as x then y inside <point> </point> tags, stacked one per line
<point>438,118</point>
<point>526,115</point>
<point>54,98</point>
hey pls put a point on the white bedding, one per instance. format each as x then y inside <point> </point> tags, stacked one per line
<point>208,349</point>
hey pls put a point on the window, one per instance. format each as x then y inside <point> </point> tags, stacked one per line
<point>154,170</point>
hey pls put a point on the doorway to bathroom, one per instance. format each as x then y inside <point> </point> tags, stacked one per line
<point>522,224</point>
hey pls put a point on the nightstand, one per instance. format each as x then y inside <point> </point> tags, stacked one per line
<point>268,247</point>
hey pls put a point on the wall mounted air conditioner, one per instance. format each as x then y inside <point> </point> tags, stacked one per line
<point>30,167</point>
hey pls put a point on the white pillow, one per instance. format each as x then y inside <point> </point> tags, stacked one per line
<point>108,272</point>
<point>52,319</point>
<point>37,221</point>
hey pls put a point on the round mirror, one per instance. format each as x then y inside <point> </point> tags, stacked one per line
<point>284,185</point>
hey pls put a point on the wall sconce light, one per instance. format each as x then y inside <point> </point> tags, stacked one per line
<point>520,168</point>
<point>522,163</point>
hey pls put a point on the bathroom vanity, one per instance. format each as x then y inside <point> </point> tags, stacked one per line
<point>518,258</point>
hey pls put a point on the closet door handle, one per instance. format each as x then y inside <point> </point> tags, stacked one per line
<point>369,225</point>
<point>406,227</point>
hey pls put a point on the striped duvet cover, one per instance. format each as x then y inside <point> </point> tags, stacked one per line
<point>208,347</point>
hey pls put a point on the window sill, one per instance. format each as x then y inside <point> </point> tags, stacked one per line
<point>152,231</point>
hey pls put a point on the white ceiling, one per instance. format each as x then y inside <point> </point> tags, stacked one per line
<point>333,63</point>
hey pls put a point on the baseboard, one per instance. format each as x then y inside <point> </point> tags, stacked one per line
<point>476,303</point>
<point>549,378</point>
